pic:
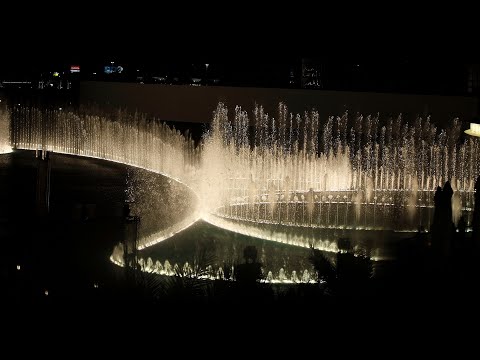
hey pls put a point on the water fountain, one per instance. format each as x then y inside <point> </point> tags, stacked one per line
<point>125,138</point>
<point>296,179</point>
<point>271,178</point>
<point>4,131</point>
<point>121,137</point>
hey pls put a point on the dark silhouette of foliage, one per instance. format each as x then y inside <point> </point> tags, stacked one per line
<point>350,275</point>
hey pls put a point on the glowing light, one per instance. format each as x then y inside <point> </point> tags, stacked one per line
<point>474,130</point>
<point>56,74</point>
<point>168,232</point>
<point>18,267</point>
<point>46,292</point>
<point>210,273</point>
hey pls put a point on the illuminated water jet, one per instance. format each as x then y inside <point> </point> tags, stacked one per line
<point>5,131</point>
<point>124,138</point>
<point>264,176</point>
<point>349,173</point>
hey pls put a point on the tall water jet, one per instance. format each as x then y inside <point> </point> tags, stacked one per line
<point>310,204</point>
<point>5,120</point>
<point>412,200</point>
<point>270,177</point>
<point>272,199</point>
<point>131,139</point>
<point>352,172</point>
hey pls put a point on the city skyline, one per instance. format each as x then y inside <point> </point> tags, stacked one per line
<point>399,75</point>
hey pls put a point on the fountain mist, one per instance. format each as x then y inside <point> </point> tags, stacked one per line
<point>276,178</point>
<point>345,173</point>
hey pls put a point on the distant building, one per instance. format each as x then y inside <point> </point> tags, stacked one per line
<point>473,79</point>
<point>311,74</point>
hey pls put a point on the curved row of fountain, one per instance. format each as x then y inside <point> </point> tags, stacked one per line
<point>210,273</point>
<point>124,138</point>
<point>347,173</point>
<point>264,176</point>
<point>5,144</point>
